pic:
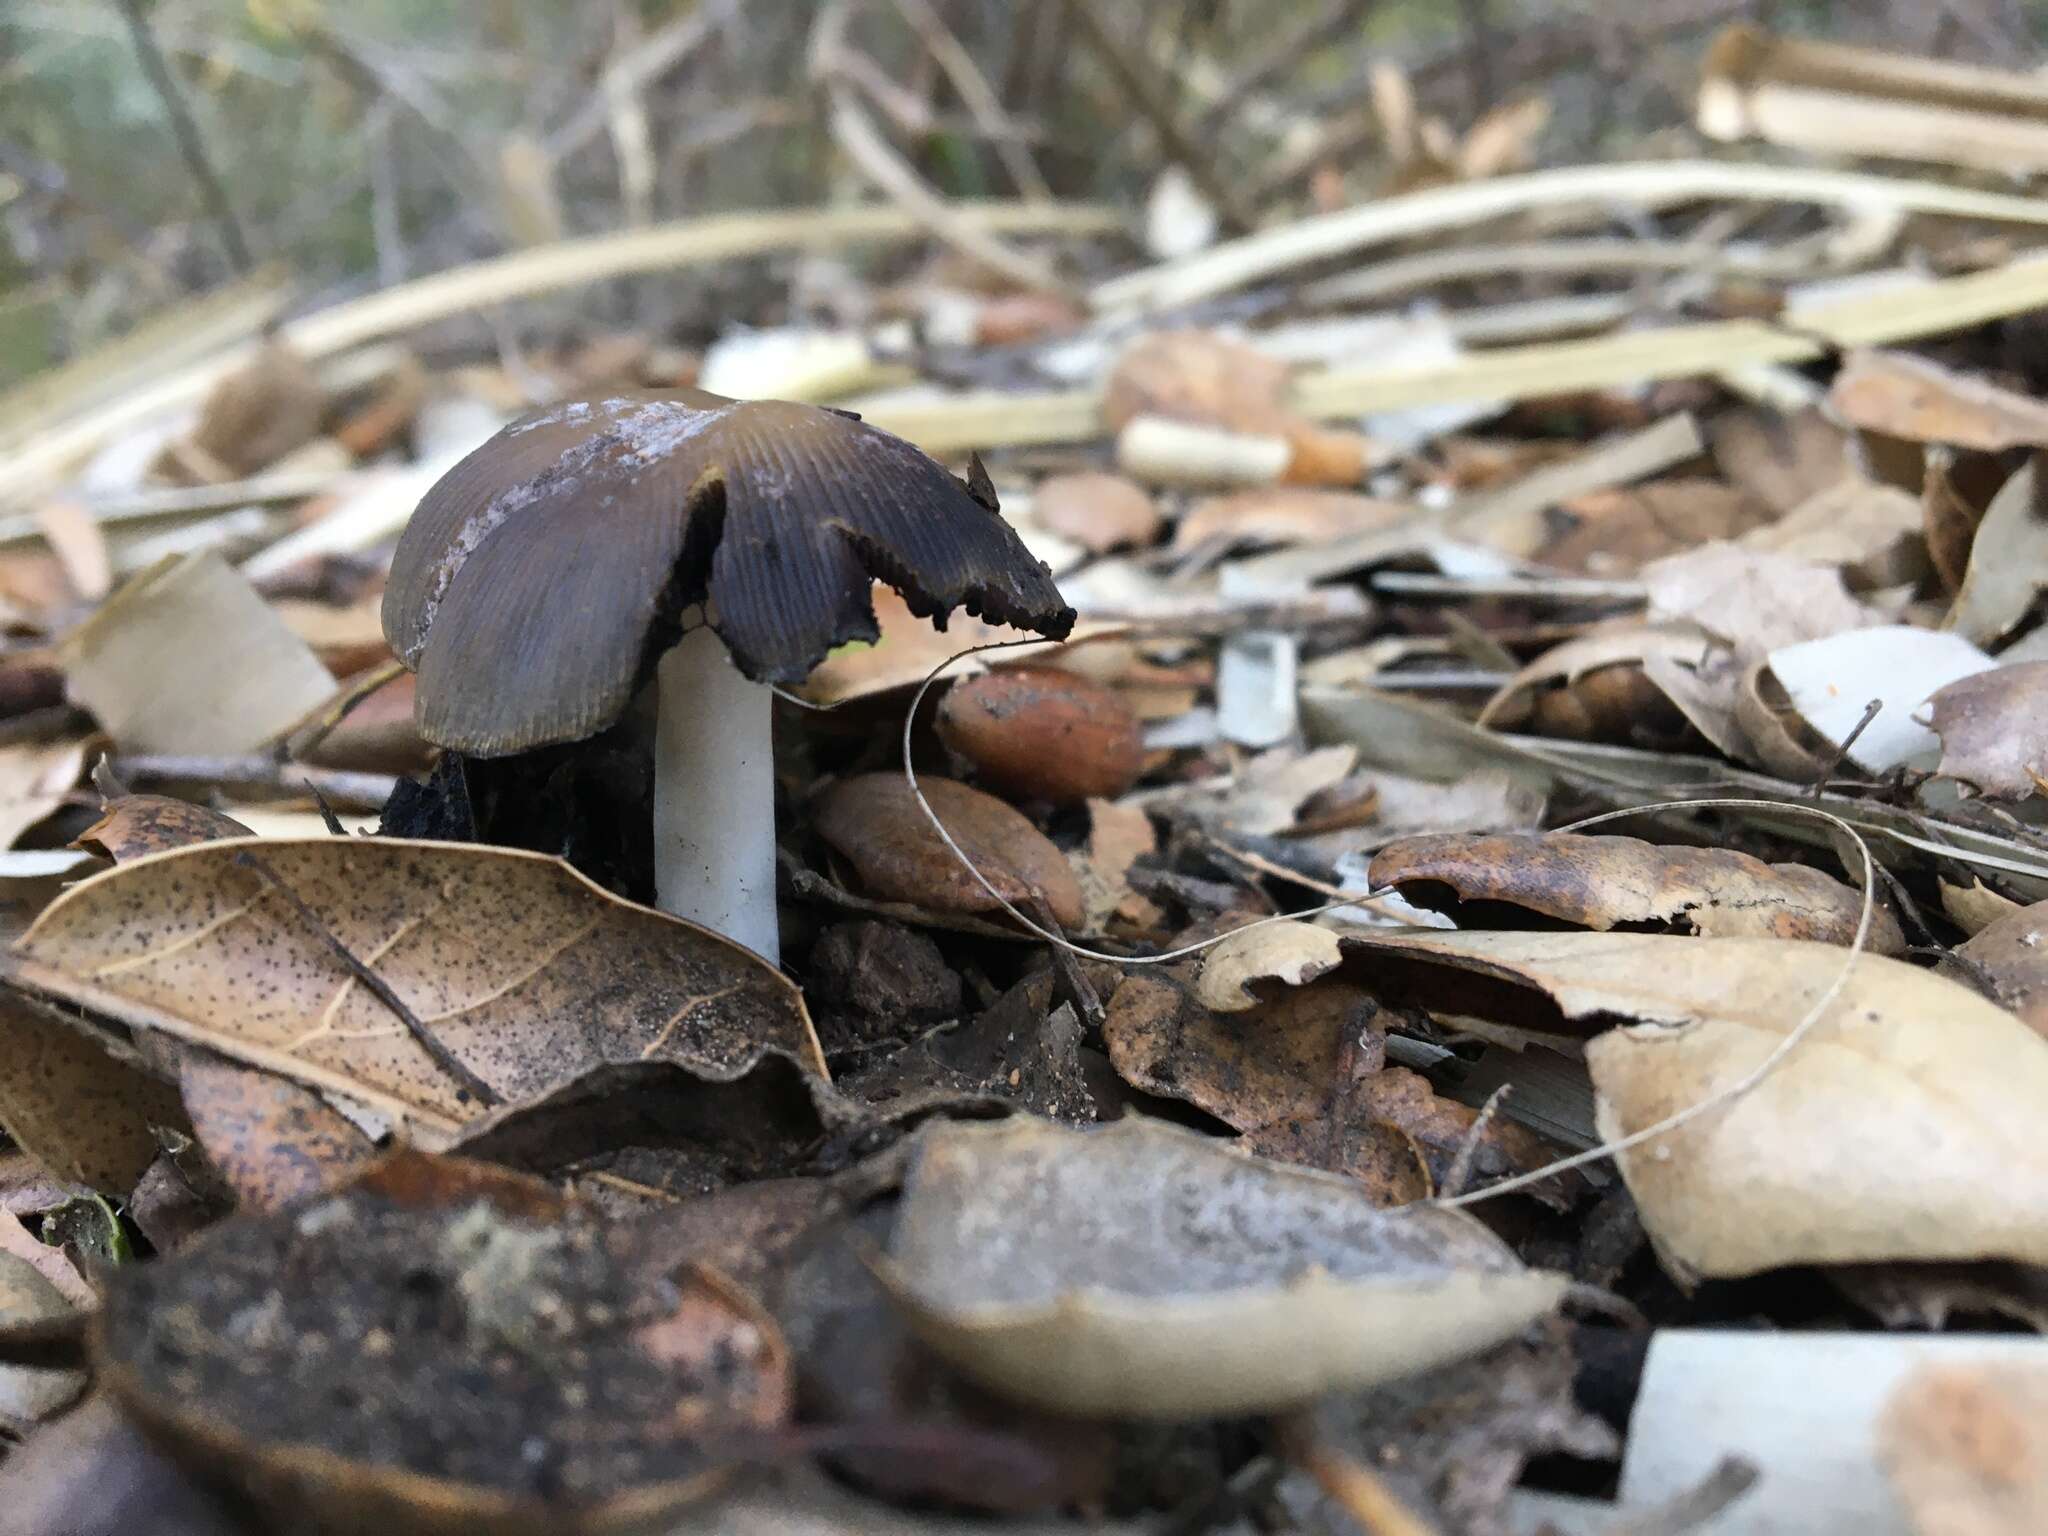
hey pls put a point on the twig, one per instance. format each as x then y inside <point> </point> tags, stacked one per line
<point>1459,1173</point>
<point>255,771</point>
<point>468,1084</point>
<point>1870,712</point>
<point>1347,1482</point>
<point>1150,100</point>
<point>977,95</point>
<point>186,131</point>
<point>1316,30</point>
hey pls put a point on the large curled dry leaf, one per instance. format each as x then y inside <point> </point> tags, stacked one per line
<point>524,971</point>
<point>1905,1125</point>
<point>1612,882</point>
<point>1145,1271</point>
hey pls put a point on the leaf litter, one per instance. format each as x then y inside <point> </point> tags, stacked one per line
<point>1704,492</point>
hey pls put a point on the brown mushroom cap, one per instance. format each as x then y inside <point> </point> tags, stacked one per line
<point>543,575</point>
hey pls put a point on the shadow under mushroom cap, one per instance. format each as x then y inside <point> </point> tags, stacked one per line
<point>543,575</point>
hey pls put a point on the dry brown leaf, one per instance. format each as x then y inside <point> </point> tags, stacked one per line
<point>1965,1446</point>
<point>2008,560</point>
<point>1097,511</point>
<point>133,825</point>
<point>1782,460</point>
<point>1283,514</point>
<point>625,1368</point>
<point>2011,953</point>
<point>1118,835</point>
<point>1974,907</point>
<point>1140,1270</point>
<point>1201,377</point>
<point>874,821</point>
<point>1603,693</point>
<point>79,542</point>
<point>1304,1080</point>
<point>34,779</point>
<point>1872,531</point>
<point>1915,398</point>
<point>52,1263</point>
<point>1951,510</point>
<point>272,1140</point>
<point>1904,1125</point>
<point>29,1395</point>
<point>1615,531</point>
<point>1604,883</point>
<point>86,1117</point>
<point>256,415</point>
<point>907,651</point>
<point>1994,730</point>
<point>522,969</point>
<point>1291,954</point>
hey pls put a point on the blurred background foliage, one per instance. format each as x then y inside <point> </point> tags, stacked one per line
<point>360,144</point>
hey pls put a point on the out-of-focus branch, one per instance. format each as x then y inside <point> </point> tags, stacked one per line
<point>878,160</point>
<point>186,131</point>
<point>977,95</point>
<point>1148,96</point>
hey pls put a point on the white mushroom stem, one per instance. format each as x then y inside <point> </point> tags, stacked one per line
<point>714,794</point>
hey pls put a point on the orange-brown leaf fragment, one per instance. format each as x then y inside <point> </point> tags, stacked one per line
<point>1041,733</point>
<point>1604,883</point>
<point>1966,1447</point>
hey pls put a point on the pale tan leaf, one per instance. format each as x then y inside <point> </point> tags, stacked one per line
<point>1141,1270</point>
<point>187,658</point>
<point>1905,1125</point>
<point>524,971</point>
<point>34,779</point>
<point>1289,954</point>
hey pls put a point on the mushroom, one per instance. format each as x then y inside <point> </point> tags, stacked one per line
<point>716,546</point>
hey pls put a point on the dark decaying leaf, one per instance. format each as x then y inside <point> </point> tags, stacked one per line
<point>875,822</point>
<point>1612,882</point>
<point>2009,957</point>
<point>523,971</point>
<point>1139,1270</point>
<point>539,577</point>
<point>1451,1444</point>
<point>529,1371</point>
<point>1994,730</point>
<point>1304,1078</point>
